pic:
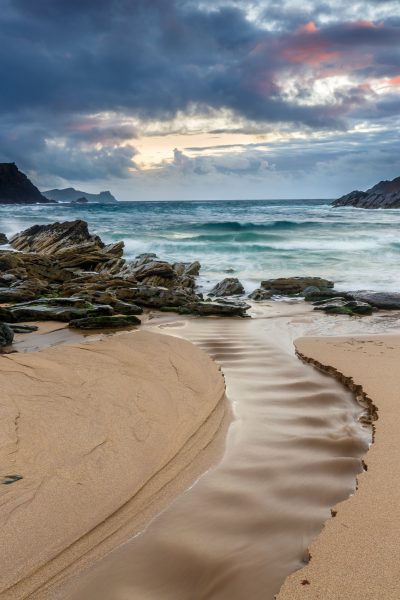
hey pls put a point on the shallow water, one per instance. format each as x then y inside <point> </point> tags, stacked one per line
<point>252,240</point>
<point>292,452</point>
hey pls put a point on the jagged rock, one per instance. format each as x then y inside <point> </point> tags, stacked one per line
<point>16,188</point>
<point>385,194</point>
<point>32,266</point>
<point>339,306</point>
<point>6,335</point>
<point>3,239</point>
<point>193,269</point>
<point>115,322</point>
<point>71,244</point>
<point>259,295</point>
<point>294,285</point>
<point>384,300</point>
<point>49,239</point>
<point>230,286</point>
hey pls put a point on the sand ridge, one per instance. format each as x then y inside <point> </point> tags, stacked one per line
<point>357,555</point>
<point>96,431</point>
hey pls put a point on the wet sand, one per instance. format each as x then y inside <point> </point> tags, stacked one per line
<point>103,435</point>
<point>293,450</point>
<point>357,556</point>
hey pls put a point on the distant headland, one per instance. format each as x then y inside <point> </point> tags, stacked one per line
<point>16,188</point>
<point>385,194</point>
<point>72,195</point>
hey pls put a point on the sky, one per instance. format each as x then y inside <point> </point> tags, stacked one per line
<point>201,99</point>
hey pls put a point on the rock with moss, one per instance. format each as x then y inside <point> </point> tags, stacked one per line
<point>102,322</point>
<point>340,306</point>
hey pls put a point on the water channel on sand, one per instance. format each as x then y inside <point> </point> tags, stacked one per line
<point>293,450</point>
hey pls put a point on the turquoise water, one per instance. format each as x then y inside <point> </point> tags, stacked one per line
<point>253,240</point>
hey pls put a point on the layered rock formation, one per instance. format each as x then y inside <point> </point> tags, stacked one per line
<point>62,272</point>
<point>72,195</point>
<point>16,188</point>
<point>385,194</point>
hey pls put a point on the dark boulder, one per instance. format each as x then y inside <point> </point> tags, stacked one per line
<point>218,309</point>
<point>294,285</point>
<point>259,295</point>
<point>6,335</point>
<point>383,300</point>
<point>340,306</point>
<point>3,239</point>
<point>230,286</point>
<point>114,322</point>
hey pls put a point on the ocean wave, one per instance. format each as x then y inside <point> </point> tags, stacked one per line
<point>238,226</point>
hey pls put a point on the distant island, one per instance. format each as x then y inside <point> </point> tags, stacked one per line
<point>16,188</point>
<point>385,194</point>
<point>77,196</point>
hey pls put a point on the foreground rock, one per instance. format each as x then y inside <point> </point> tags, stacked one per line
<point>259,295</point>
<point>16,188</point>
<point>209,309</point>
<point>114,322</point>
<point>383,300</point>
<point>230,286</point>
<point>294,285</point>
<point>385,194</point>
<point>6,335</point>
<point>63,272</point>
<point>71,244</point>
<point>64,312</point>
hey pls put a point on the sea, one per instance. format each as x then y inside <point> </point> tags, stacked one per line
<point>249,239</point>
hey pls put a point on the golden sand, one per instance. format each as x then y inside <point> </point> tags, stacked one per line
<point>357,556</point>
<point>97,431</point>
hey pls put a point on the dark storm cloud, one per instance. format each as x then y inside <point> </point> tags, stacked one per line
<point>63,62</point>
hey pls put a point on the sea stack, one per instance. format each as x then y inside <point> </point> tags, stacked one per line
<point>16,188</point>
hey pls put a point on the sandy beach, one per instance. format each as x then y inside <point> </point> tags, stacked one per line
<point>358,554</point>
<point>293,450</point>
<point>102,435</point>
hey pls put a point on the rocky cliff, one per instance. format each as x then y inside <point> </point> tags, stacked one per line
<point>72,195</point>
<point>16,188</point>
<point>385,194</point>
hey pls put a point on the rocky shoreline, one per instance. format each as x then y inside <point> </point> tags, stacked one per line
<point>62,272</point>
